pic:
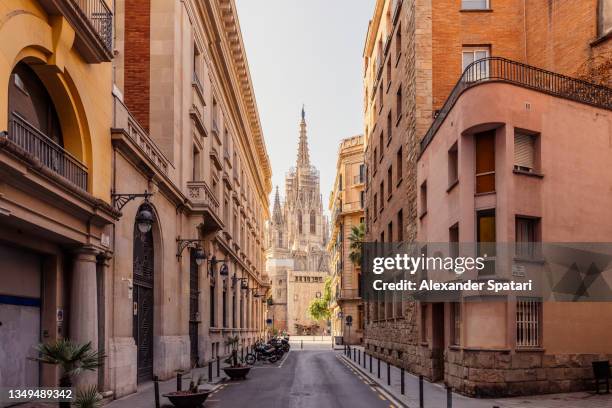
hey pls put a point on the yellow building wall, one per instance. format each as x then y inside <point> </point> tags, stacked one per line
<point>82,92</point>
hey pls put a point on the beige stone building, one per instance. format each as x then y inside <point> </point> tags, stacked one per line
<point>414,56</point>
<point>346,204</point>
<point>55,203</point>
<point>186,128</point>
<point>296,238</point>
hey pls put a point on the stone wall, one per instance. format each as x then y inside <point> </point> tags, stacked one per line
<point>480,373</point>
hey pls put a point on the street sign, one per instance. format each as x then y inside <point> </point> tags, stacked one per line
<point>349,320</point>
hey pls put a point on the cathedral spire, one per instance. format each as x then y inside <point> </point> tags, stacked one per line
<point>277,212</point>
<point>303,159</point>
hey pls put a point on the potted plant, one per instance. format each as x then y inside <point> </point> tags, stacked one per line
<point>237,369</point>
<point>72,358</point>
<point>191,398</point>
<point>88,397</point>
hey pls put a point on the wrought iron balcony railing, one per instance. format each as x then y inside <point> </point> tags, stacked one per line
<point>100,17</point>
<point>516,73</point>
<point>50,154</point>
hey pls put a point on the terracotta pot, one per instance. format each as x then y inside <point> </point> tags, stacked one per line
<point>237,373</point>
<point>186,399</point>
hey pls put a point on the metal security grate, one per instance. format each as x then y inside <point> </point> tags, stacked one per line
<point>528,323</point>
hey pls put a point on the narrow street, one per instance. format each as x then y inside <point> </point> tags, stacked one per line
<point>304,379</point>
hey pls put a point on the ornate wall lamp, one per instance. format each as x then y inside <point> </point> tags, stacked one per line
<point>200,255</point>
<point>144,217</point>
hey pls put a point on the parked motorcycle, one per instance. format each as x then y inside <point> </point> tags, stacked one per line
<point>262,352</point>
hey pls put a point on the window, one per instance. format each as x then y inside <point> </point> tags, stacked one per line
<point>479,70</point>
<point>398,103</point>
<point>423,191</point>
<point>196,60</point>
<point>361,199</point>
<point>340,182</point>
<point>381,145</point>
<point>390,231</point>
<point>605,17</point>
<point>526,233</point>
<point>456,323</point>
<point>299,221</point>
<point>375,159</point>
<point>195,176</point>
<point>485,162</point>
<point>389,181</point>
<point>212,305</point>
<point>375,205</point>
<point>485,230</point>
<point>528,313</point>
<point>400,225</point>
<point>453,165</point>
<point>389,126</point>
<point>399,164</point>
<point>224,306</point>
<point>524,152</point>
<point>362,173</point>
<point>474,4</point>
<point>453,240</point>
<point>388,72</point>
<point>382,195</point>
<point>313,222</point>
<point>398,41</point>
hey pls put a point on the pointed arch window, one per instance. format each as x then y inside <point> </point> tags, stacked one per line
<point>313,222</point>
<point>300,221</point>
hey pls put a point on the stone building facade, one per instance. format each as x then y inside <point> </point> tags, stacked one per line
<point>346,204</point>
<point>115,116</point>
<point>186,129</point>
<point>297,238</point>
<point>414,54</point>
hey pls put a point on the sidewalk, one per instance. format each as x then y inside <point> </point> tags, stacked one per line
<point>144,397</point>
<point>435,394</point>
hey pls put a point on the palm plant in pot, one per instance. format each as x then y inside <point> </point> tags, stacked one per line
<point>237,369</point>
<point>72,358</point>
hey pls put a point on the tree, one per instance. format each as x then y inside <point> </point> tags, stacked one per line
<point>319,307</point>
<point>356,244</point>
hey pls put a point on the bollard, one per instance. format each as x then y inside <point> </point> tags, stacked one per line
<point>378,367</point>
<point>242,353</point>
<point>402,385</point>
<point>301,344</point>
<point>359,357</point>
<point>354,354</point>
<point>421,399</point>
<point>364,359</point>
<point>388,373</point>
<point>156,388</point>
<point>179,382</point>
<point>370,364</point>
<point>449,397</point>
<point>210,371</point>
<point>218,366</point>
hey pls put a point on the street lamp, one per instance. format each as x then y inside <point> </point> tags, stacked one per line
<point>144,217</point>
<point>200,255</point>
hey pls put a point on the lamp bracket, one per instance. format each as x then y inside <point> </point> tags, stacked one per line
<point>120,200</point>
<point>184,243</point>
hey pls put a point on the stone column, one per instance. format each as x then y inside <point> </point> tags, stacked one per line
<point>84,306</point>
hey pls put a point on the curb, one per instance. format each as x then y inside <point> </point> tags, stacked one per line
<point>392,395</point>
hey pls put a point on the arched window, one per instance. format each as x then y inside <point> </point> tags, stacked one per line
<point>313,222</point>
<point>31,105</point>
<point>280,238</point>
<point>300,221</point>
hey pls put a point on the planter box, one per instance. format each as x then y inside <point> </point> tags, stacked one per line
<point>185,399</point>
<point>237,373</point>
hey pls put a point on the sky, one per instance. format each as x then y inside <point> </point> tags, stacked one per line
<point>306,52</point>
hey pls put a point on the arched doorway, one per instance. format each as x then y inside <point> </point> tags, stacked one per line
<point>143,301</point>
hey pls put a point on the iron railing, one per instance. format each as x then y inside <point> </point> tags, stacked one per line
<point>505,70</point>
<point>52,155</point>
<point>100,17</point>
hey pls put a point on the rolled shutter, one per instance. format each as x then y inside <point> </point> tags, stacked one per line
<point>524,146</point>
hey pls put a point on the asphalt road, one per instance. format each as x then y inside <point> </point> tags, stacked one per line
<point>305,379</point>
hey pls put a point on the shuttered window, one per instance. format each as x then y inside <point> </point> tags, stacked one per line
<point>485,162</point>
<point>524,152</point>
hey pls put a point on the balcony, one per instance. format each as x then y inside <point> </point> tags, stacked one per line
<point>215,159</point>
<point>496,69</point>
<point>203,200</point>
<point>349,294</point>
<point>50,154</point>
<point>92,21</point>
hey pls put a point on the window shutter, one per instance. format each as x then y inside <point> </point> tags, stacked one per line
<point>524,146</point>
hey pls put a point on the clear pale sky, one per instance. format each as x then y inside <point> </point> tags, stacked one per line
<point>306,51</point>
